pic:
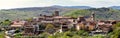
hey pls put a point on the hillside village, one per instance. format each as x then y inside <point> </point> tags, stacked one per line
<point>55,23</point>
<point>59,18</point>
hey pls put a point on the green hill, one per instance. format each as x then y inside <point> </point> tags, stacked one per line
<point>100,13</point>
<point>24,13</point>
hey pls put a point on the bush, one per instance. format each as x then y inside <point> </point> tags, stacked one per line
<point>82,33</point>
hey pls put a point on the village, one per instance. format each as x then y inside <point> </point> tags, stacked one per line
<point>61,24</point>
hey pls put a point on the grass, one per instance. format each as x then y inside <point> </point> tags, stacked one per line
<point>2,34</point>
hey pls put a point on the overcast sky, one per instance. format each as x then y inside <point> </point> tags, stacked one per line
<point>7,4</point>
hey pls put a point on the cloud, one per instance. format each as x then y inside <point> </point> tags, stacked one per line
<point>7,4</point>
<point>98,3</point>
<point>14,3</point>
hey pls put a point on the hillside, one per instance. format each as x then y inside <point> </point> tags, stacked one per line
<point>74,11</point>
<point>115,7</point>
<point>100,13</point>
<point>23,13</point>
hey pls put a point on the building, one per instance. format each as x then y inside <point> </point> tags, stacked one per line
<point>18,24</point>
<point>63,23</point>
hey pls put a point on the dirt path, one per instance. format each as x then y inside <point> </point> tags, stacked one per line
<point>6,36</point>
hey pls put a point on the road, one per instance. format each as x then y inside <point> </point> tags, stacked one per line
<point>6,36</point>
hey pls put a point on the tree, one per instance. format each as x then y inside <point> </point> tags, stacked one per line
<point>50,28</point>
<point>42,27</point>
<point>29,19</point>
<point>76,36</point>
<point>97,36</point>
<point>82,33</point>
<point>116,31</point>
<point>44,35</point>
<point>116,25</point>
<point>6,22</point>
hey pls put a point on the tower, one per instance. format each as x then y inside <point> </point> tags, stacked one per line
<point>56,13</point>
<point>93,16</point>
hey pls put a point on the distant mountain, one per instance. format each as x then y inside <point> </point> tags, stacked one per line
<point>74,7</point>
<point>79,7</point>
<point>115,7</point>
<point>54,7</point>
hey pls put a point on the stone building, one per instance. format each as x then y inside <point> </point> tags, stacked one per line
<point>18,24</point>
<point>62,23</point>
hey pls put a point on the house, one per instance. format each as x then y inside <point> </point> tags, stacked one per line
<point>84,23</point>
<point>59,22</point>
<point>18,23</point>
<point>63,23</point>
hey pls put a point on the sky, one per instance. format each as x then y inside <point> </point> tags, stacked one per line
<point>8,4</point>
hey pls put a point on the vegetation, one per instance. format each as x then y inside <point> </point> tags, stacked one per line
<point>100,13</point>
<point>77,13</point>
<point>79,34</point>
<point>73,34</point>
<point>2,35</point>
<point>67,34</point>
<point>24,13</point>
<point>50,28</point>
<point>116,31</point>
<point>5,22</point>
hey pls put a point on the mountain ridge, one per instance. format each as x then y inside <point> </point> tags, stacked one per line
<point>24,13</point>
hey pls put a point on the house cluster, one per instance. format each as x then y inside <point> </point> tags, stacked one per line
<point>62,23</point>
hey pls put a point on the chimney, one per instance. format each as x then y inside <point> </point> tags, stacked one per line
<point>56,13</point>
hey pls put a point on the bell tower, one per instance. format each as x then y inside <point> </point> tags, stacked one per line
<point>93,16</point>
